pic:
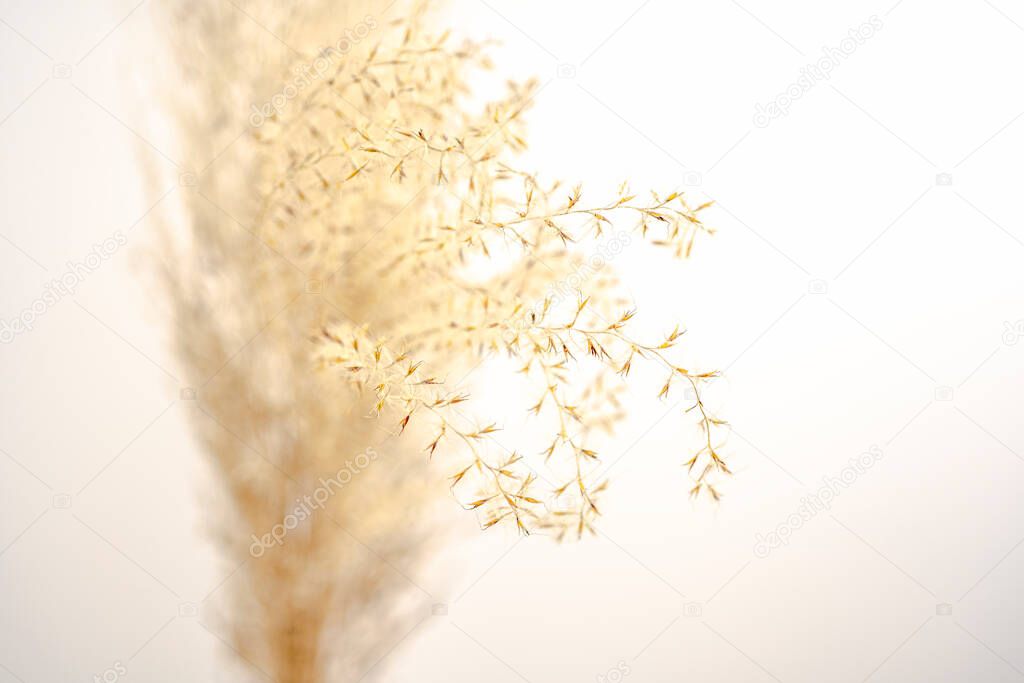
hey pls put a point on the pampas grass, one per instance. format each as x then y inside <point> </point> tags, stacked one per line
<point>360,240</point>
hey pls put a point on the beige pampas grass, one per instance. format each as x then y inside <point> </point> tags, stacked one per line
<point>361,240</point>
<point>319,602</point>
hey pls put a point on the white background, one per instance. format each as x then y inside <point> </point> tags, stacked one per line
<point>847,289</point>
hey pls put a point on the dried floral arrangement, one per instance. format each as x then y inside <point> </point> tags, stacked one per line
<point>356,246</point>
<point>389,133</point>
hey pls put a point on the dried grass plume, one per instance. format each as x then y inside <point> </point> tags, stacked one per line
<point>361,237</point>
